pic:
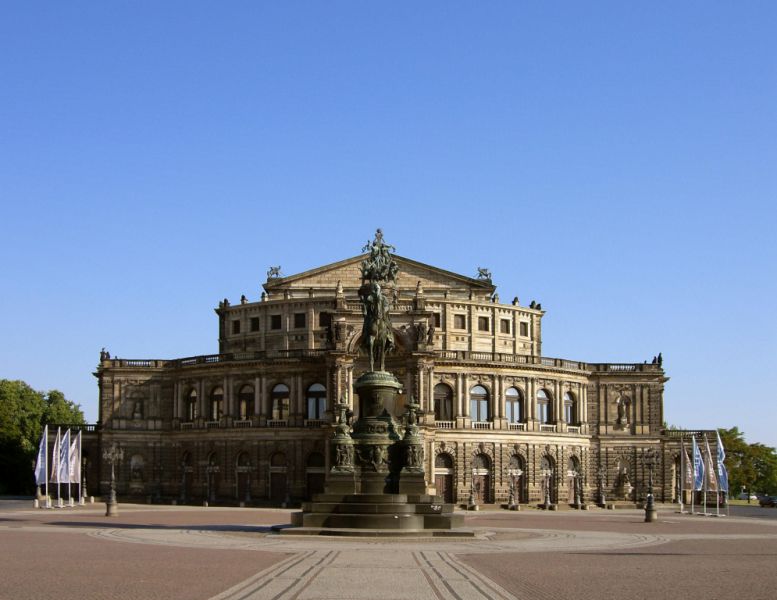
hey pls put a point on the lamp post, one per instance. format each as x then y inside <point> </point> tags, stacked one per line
<point>600,475</point>
<point>649,460</point>
<point>113,455</point>
<point>576,488</point>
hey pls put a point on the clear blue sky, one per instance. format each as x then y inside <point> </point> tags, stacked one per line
<point>615,161</point>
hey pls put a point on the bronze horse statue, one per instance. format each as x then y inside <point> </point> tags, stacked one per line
<point>377,336</point>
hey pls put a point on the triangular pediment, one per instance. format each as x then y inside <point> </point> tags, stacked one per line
<point>348,273</point>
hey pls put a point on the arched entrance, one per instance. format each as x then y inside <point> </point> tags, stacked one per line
<point>185,494</point>
<point>314,475</point>
<point>574,481</point>
<point>517,479</point>
<point>243,478</point>
<point>481,478</point>
<point>548,480</point>
<point>278,485</point>
<point>443,476</point>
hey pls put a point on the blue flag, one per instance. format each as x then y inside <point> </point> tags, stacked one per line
<point>722,472</point>
<point>698,466</point>
<point>64,459</point>
<point>40,463</point>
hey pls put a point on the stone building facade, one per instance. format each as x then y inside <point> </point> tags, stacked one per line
<point>251,423</point>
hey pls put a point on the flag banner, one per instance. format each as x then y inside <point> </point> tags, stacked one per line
<point>75,464</point>
<point>64,458</point>
<point>698,466</point>
<point>40,463</point>
<point>722,472</point>
<point>712,481</point>
<point>55,459</point>
<point>688,475</point>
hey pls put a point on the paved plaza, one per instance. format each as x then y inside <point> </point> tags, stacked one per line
<point>231,554</point>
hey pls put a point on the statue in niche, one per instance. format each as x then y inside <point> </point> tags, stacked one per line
<point>344,456</point>
<point>622,405</point>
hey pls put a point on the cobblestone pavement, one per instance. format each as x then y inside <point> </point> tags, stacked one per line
<point>230,554</point>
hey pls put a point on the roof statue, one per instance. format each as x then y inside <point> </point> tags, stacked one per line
<point>379,270</point>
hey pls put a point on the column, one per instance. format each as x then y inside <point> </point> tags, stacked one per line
<point>227,408</point>
<point>465,393</point>
<point>459,402</point>
<point>176,400</point>
<point>203,400</point>
<point>257,398</point>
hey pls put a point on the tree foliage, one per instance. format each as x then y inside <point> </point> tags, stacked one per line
<point>23,413</point>
<point>751,467</point>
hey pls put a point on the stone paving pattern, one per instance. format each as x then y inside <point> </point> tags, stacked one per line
<point>229,554</point>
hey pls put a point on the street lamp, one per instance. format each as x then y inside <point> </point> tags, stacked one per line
<point>113,455</point>
<point>649,460</point>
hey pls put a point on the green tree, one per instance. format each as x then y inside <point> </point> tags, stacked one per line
<point>23,412</point>
<point>751,467</point>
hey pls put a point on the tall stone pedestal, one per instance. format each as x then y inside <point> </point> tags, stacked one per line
<point>376,485</point>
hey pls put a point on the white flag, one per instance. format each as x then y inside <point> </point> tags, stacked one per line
<point>75,462</point>
<point>712,481</point>
<point>55,459</point>
<point>40,464</point>
<point>64,458</point>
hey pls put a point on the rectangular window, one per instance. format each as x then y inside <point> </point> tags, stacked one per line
<point>524,329</point>
<point>275,322</point>
<point>459,321</point>
<point>483,324</point>
<point>235,326</point>
<point>299,320</point>
<point>254,323</point>
<point>324,319</point>
<point>504,326</point>
<point>437,320</point>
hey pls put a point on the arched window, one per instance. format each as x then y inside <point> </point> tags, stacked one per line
<point>443,402</point>
<point>570,409</point>
<point>316,401</point>
<point>216,403</point>
<point>245,402</point>
<point>191,405</point>
<point>544,407</point>
<point>280,402</point>
<point>513,405</point>
<point>478,404</point>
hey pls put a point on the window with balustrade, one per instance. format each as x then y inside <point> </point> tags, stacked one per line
<point>246,402</point>
<point>570,409</point>
<point>316,401</point>
<point>443,402</point>
<point>478,404</point>
<point>514,405</point>
<point>280,402</point>
<point>216,403</point>
<point>544,407</point>
<point>191,405</point>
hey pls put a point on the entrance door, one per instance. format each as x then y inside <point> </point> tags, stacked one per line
<point>481,479</point>
<point>278,486</point>
<point>443,477</point>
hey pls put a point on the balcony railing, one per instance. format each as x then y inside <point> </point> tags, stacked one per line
<point>517,426</point>
<point>243,423</point>
<point>313,423</point>
<point>212,424</point>
<point>457,355</point>
<point>277,422</point>
<point>445,424</point>
<point>547,428</point>
<point>573,428</point>
<point>482,425</point>
<point>185,426</point>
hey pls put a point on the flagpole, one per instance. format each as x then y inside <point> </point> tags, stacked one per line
<point>59,490</point>
<point>682,472</point>
<point>46,470</point>
<point>706,479</point>
<point>80,474</point>
<point>693,473</point>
